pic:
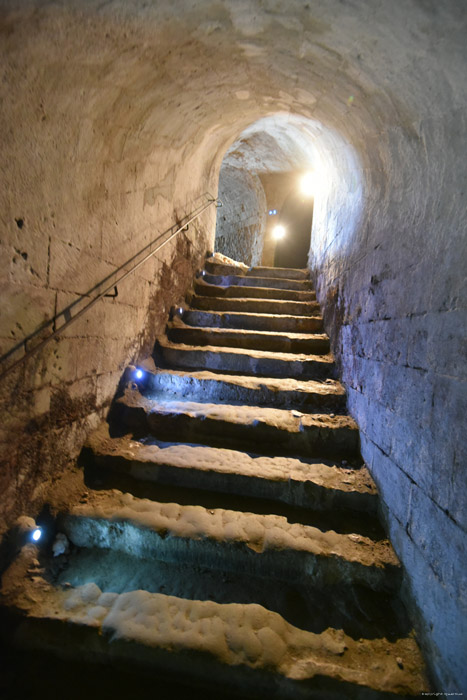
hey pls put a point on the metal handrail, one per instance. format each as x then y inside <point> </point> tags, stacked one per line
<point>66,313</point>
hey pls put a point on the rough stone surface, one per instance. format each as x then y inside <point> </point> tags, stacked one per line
<point>212,639</point>
<point>315,485</point>
<point>241,221</point>
<point>116,116</point>
<point>277,429</point>
<point>190,497</point>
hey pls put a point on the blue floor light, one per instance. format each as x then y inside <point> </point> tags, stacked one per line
<point>37,534</point>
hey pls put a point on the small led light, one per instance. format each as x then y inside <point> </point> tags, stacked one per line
<point>274,211</point>
<point>139,374</point>
<point>37,534</point>
<point>278,232</point>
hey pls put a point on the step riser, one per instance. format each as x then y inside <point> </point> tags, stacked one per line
<point>320,570</point>
<point>198,336</point>
<point>265,282</point>
<point>248,321</point>
<point>255,306</point>
<point>245,364</point>
<point>310,441</point>
<point>253,293</point>
<point>300,494</point>
<point>212,391</point>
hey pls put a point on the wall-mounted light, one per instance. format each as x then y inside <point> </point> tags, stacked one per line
<point>308,184</point>
<point>36,534</point>
<point>272,212</point>
<point>278,232</point>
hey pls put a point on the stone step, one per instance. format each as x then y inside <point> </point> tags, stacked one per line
<point>279,272</point>
<point>215,267</point>
<point>242,292</point>
<point>251,321</point>
<point>314,344</point>
<point>265,282</point>
<point>318,486</point>
<point>321,397</point>
<point>263,545</point>
<point>252,651</point>
<point>226,425</point>
<point>255,306</point>
<point>243,361</point>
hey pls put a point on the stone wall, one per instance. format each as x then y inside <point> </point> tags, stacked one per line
<point>241,221</point>
<point>394,298</point>
<point>115,119</point>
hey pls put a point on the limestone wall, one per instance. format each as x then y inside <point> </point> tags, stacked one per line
<point>115,119</point>
<point>241,221</point>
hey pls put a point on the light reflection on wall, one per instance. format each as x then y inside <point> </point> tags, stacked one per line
<point>285,143</point>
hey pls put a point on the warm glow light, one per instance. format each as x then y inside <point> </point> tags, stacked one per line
<point>308,184</point>
<point>278,232</point>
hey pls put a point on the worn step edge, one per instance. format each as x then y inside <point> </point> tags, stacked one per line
<point>244,361</point>
<point>247,320</point>
<point>318,435</point>
<point>243,292</point>
<point>245,646</point>
<point>251,281</point>
<point>179,332</point>
<point>265,545</point>
<point>284,479</point>
<point>273,306</point>
<point>274,392</point>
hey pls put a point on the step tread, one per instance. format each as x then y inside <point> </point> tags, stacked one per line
<point>229,636</point>
<point>177,322</point>
<point>225,461</point>
<point>249,319</point>
<point>288,272</point>
<point>279,418</point>
<point>277,384</point>
<point>282,392</point>
<point>275,306</point>
<point>251,300</point>
<point>243,280</point>
<point>260,533</point>
<point>259,354</point>
<point>252,314</point>
<point>206,288</point>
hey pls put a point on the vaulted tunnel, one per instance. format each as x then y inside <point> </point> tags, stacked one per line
<point>115,121</point>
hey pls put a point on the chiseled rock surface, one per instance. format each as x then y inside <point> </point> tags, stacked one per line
<point>243,360</point>
<point>309,434</point>
<point>180,332</point>
<point>253,321</point>
<point>224,539</point>
<point>267,306</point>
<point>228,637</point>
<point>172,486</point>
<point>281,392</point>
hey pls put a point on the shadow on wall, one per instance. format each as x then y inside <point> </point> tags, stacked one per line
<point>285,144</point>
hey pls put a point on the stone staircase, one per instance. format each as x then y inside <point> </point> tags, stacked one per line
<point>228,533</point>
